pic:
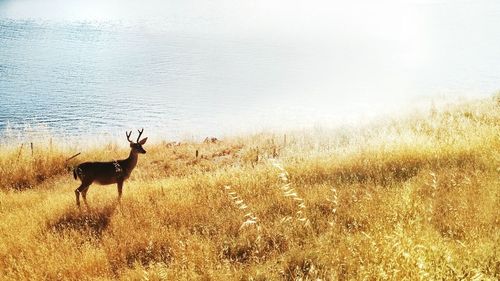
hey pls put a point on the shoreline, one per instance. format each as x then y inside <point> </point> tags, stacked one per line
<point>42,133</point>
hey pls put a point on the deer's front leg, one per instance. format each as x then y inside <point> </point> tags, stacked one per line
<point>120,186</point>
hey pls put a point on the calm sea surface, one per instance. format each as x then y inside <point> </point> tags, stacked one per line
<point>212,75</point>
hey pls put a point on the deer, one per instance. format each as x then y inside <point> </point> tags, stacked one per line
<point>105,173</point>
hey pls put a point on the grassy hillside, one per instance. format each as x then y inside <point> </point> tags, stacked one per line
<point>415,198</point>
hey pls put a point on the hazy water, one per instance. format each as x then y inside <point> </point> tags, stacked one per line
<point>201,76</point>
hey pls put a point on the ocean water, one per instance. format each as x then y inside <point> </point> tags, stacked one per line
<point>220,70</point>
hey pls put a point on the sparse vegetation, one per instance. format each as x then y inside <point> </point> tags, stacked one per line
<point>414,198</point>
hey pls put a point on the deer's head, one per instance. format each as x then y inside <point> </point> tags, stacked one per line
<point>137,146</point>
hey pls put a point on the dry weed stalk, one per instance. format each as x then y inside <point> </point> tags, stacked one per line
<point>433,185</point>
<point>250,218</point>
<point>335,204</point>
<point>289,191</point>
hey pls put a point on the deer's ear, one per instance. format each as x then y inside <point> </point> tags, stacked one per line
<point>143,141</point>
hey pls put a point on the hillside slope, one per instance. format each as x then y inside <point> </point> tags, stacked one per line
<point>415,198</point>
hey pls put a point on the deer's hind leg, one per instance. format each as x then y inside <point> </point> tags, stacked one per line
<point>81,189</point>
<point>84,195</point>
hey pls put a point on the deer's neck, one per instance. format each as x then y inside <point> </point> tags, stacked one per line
<point>131,161</point>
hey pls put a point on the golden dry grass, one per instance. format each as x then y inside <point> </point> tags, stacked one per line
<point>414,198</point>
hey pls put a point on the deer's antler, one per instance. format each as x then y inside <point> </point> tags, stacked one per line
<point>128,135</point>
<point>140,133</point>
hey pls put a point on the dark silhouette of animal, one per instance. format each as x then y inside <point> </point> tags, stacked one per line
<point>105,173</point>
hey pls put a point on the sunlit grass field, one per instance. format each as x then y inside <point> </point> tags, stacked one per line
<point>403,199</point>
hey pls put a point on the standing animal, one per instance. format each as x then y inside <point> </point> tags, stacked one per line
<point>103,173</point>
